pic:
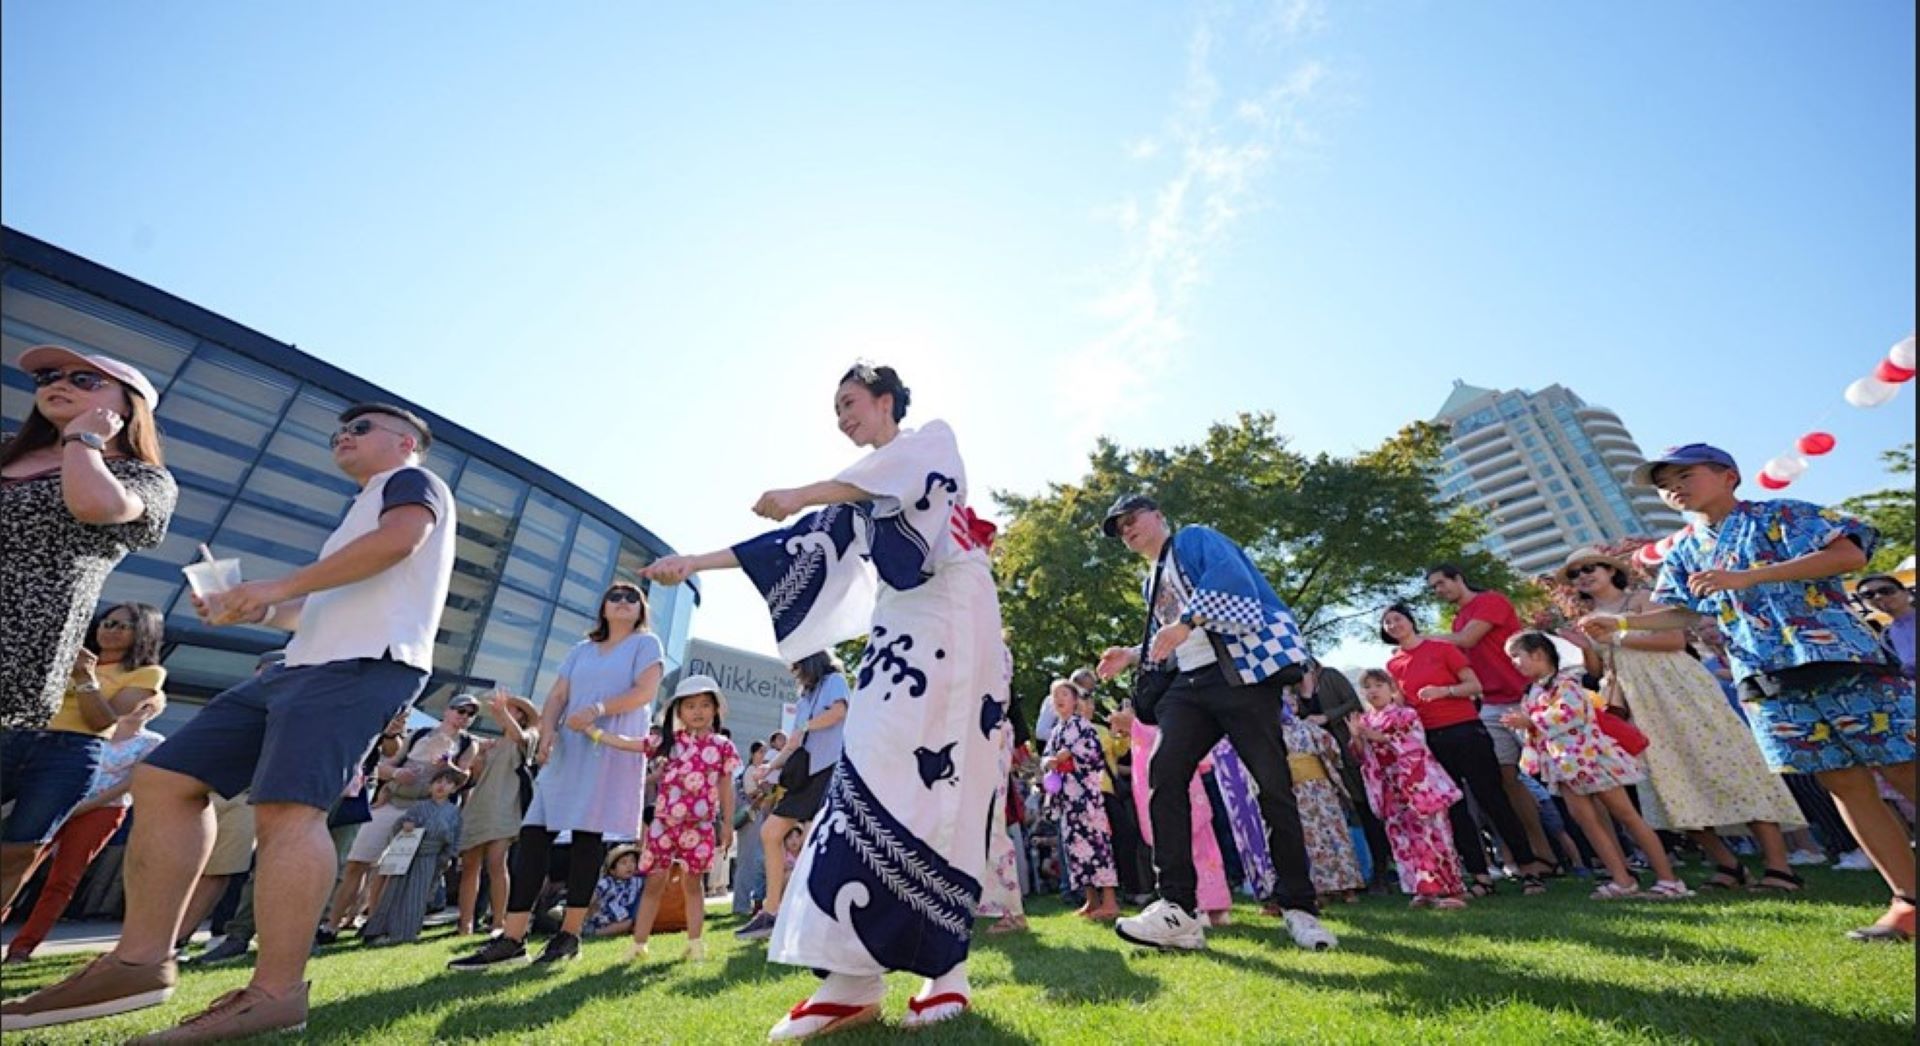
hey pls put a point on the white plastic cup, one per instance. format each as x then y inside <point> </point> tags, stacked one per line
<point>211,577</point>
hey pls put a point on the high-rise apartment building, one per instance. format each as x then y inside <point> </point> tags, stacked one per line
<point>1547,472</point>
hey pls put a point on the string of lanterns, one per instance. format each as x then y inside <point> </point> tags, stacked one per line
<point>1895,369</point>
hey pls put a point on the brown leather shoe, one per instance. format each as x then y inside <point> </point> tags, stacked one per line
<point>102,988</point>
<point>238,1014</point>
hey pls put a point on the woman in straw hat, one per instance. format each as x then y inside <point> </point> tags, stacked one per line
<point>495,803</point>
<point>1703,767</point>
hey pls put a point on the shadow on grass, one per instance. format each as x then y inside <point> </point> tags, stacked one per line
<point>564,996</point>
<point>1427,983</point>
<point>1072,974</point>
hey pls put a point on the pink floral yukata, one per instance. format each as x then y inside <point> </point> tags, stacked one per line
<point>1566,748</point>
<point>1411,793</point>
<point>688,806</point>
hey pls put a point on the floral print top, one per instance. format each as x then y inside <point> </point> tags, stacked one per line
<point>51,576</point>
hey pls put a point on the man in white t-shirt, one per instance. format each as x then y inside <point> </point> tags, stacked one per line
<point>363,618</point>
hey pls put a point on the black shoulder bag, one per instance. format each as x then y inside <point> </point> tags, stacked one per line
<point>1150,680</point>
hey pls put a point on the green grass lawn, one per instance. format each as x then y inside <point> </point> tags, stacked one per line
<point>1510,969</point>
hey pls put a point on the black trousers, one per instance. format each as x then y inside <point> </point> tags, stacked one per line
<point>1126,838</point>
<point>1194,714</point>
<point>530,868</point>
<point>1466,750</point>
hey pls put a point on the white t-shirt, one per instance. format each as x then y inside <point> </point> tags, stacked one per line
<point>397,611</point>
<point>1196,651</point>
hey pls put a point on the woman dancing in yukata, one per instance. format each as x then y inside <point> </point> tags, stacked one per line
<point>890,874</point>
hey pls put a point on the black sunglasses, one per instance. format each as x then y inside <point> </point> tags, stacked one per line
<point>359,427</point>
<point>464,710</point>
<point>1585,568</point>
<point>623,595</point>
<point>84,380</point>
<point>114,624</point>
<point>1876,593</point>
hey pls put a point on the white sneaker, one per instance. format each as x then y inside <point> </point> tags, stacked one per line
<point>1163,925</point>
<point>1307,931</point>
<point>1802,858</point>
<point>1854,861</point>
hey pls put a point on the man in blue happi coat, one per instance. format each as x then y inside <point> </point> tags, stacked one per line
<point>1231,646</point>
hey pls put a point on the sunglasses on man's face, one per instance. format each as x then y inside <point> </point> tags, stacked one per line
<point>357,428</point>
<point>623,595</point>
<point>463,710</point>
<point>1877,593</point>
<point>84,380</point>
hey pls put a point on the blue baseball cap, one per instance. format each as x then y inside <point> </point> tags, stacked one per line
<point>1685,454</point>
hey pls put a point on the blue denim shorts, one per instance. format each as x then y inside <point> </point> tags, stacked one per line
<point>293,734</point>
<point>44,774</point>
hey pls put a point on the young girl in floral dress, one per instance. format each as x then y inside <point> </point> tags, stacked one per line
<point>1313,758</point>
<point>1567,750</point>
<point>693,812</point>
<point>1410,793</point>
<point>1086,837</point>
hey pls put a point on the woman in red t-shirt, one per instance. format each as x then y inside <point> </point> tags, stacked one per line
<point>1441,687</point>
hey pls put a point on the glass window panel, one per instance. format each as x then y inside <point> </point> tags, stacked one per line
<point>569,627</point>
<point>216,416</point>
<point>539,543</point>
<point>296,476</point>
<point>488,501</point>
<point>445,462</point>
<point>140,586</point>
<point>40,310</point>
<point>631,560</point>
<point>206,670</point>
<point>510,646</point>
<point>589,565</point>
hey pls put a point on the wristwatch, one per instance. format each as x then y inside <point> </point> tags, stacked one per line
<point>1187,619</point>
<point>89,438</point>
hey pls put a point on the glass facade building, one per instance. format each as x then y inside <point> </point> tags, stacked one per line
<point>1547,472</point>
<point>244,422</point>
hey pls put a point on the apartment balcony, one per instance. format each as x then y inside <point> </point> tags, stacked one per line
<point>1466,444</point>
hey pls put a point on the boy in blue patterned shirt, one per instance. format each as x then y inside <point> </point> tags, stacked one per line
<point>1818,695</point>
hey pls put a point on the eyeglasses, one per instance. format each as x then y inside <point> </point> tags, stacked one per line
<point>1584,569</point>
<point>463,710</point>
<point>84,380</point>
<point>1877,593</point>
<point>114,624</point>
<point>359,427</point>
<point>623,595</point>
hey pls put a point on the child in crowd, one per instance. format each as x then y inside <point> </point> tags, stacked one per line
<point>1410,793</point>
<point>1086,836</point>
<point>695,796</point>
<point>796,837</point>
<point>1313,759</point>
<point>402,910</point>
<point>1567,750</point>
<point>616,897</point>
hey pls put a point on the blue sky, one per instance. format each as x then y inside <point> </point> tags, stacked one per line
<point>638,243</point>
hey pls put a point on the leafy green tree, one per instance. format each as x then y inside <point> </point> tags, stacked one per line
<point>1337,536</point>
<point>1891,511</point>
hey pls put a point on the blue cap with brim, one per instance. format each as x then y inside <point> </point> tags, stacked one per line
<point>1685,454</point>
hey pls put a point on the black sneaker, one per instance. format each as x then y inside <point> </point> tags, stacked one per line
<point>325,936</point>
<point>498,951</point>
<point>758,928</point>
<point>560,947</point>
<point>229,949</point>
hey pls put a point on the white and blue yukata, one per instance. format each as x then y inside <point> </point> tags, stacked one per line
<point>890,874</point>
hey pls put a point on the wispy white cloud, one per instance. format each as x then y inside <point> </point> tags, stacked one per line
<point>1220,140</point>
